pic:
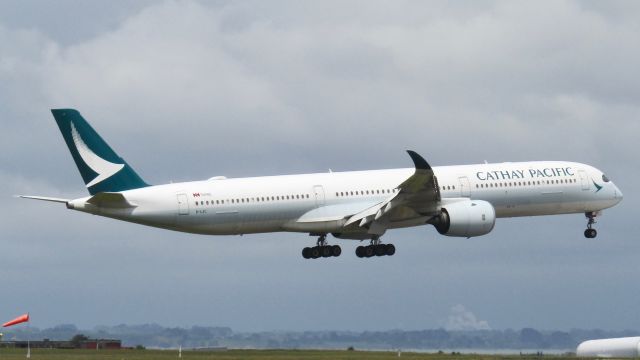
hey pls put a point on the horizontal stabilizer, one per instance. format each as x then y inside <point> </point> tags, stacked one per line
<point>44,198</point>
<point>110,200</point>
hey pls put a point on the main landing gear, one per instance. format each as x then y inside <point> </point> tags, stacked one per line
<point>322,249</point>
<point>376,248</point>
<point>590,232</point>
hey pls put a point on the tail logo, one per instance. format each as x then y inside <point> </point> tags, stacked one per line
<point>100,166</point>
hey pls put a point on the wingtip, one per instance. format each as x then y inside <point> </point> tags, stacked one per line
<point>418,160</point>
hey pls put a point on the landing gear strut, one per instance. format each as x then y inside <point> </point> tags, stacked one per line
<point>376,248</point>
<point>322,249</point>
<point>590,232</point>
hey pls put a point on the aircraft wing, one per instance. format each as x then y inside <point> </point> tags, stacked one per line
<point>417,200</point>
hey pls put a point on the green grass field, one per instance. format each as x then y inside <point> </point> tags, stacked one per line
<point>54,354</point>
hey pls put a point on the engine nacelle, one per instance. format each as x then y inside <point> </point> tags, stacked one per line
<point>466,218</point>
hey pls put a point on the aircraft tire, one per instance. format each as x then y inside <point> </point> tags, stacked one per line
<point>360,251</point>
<point>590,233</point>
<point>380,250</point>
<point>326,251</point>
<point>306,253</point>
<point>368,251</point>
<point>314,252</point>
<point>390,249</point>
<point>336,251</point>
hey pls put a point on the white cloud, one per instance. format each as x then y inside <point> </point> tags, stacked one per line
<point>463,319</point>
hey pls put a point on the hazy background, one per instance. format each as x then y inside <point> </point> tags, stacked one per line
<point>187,90</point>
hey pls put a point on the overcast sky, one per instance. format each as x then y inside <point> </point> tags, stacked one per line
<point>188,90</point>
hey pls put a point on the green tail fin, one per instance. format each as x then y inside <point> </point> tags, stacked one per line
<point>101,168</point>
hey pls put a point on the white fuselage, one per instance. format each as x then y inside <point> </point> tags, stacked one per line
<point>313,202</point>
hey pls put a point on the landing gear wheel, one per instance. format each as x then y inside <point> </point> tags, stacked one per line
<point>322,249</point>
<point>325,251</point>
<point>360,252</point>
<point>590,233</point>
<point>390,249</point>
<point>368,251</point>
<point>380,250</point>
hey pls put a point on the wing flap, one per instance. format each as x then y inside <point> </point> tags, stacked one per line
<point>334,212</point>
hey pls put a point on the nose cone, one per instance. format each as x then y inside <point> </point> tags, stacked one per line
<point>617,194</point>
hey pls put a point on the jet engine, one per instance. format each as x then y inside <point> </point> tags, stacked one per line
<point>466,218</point>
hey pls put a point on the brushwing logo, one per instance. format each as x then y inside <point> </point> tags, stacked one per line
<point>598,187</point>
<point>102,167</point>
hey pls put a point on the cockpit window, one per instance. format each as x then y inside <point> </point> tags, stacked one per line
<point>605,178</point>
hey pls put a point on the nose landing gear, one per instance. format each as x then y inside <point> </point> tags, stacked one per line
<point>590,232</point>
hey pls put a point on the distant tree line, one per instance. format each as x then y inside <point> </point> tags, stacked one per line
<point>152,335</point>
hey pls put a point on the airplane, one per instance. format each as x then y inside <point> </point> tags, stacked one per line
<point>459,201</point>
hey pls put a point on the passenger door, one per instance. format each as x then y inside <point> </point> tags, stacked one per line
<point>584,180</point>
<point>183,204</point>
<point>318,192</point>
<point>465,186</point>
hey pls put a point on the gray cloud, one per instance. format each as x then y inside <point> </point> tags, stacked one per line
<point>188,90</point>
